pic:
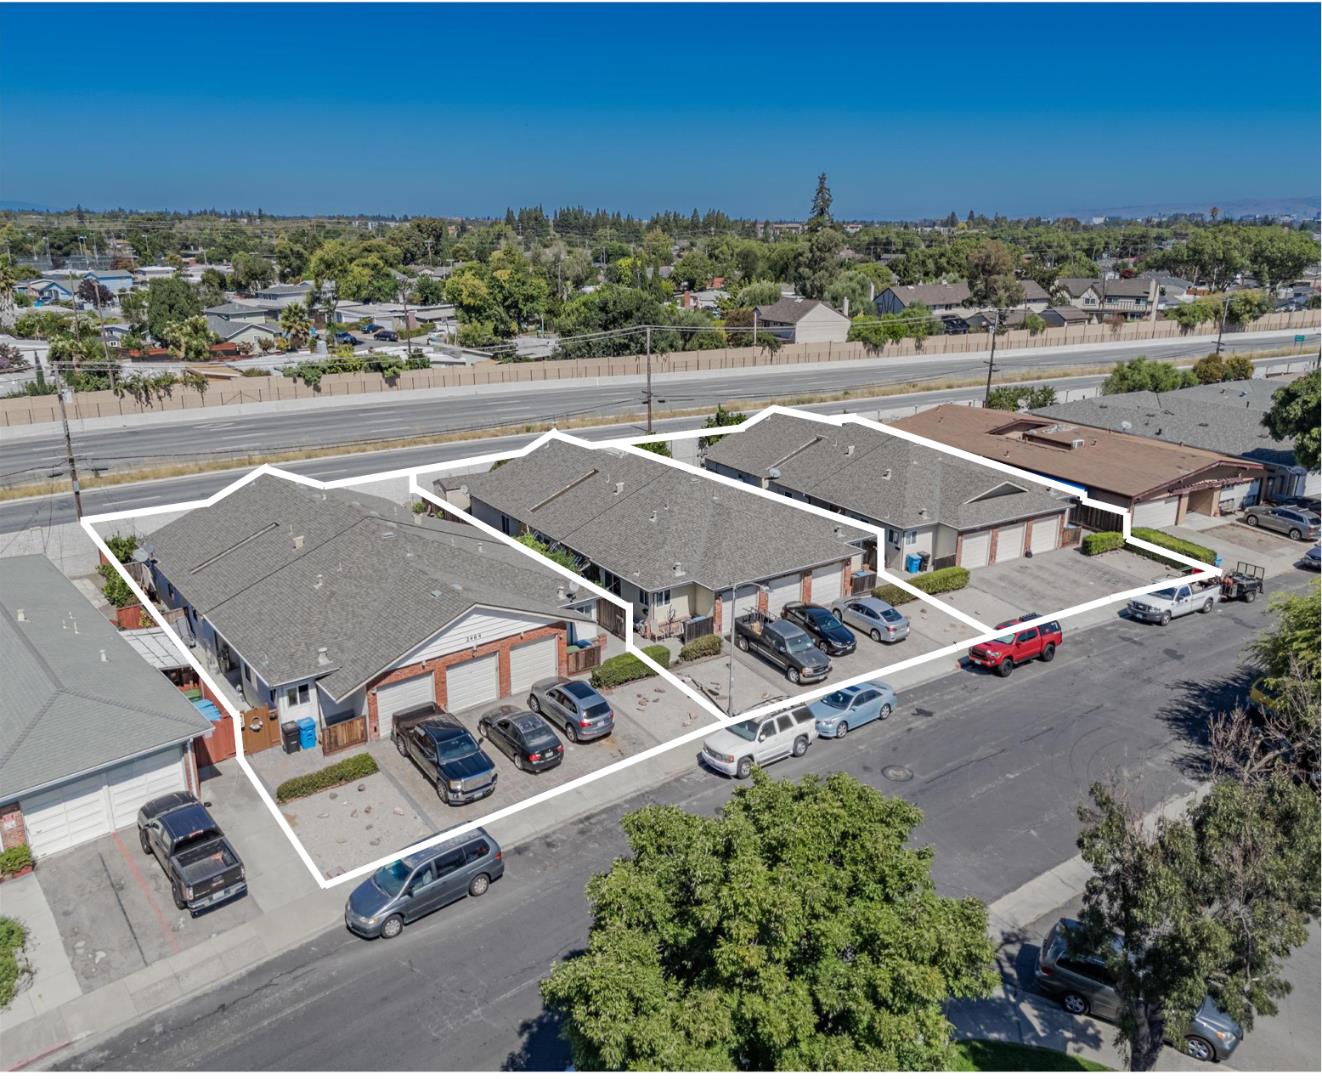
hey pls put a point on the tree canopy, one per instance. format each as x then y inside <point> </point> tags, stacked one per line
<point>1141,373</point>
<point>1294,416</point>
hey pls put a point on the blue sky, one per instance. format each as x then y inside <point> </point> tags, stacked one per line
<point>911,109</point>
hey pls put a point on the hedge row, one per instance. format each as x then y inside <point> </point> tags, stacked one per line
<point>707,645</point>
<point>934,581</point>
<point>1174,543</point>
<point>342,772</point>
<point>1098,542</point>
<point>16,858</point>
<point>626,667</point>
<point>12,939</point>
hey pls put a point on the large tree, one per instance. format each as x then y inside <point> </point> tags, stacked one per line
<point>1140,373</point>
<point>819,261</point>
<point>799,929</point>
<point>168,301</point>
<point>251,272</point>
<point>992,280</point>
<point>1294,416</point>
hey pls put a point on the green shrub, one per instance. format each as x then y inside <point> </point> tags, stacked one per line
<point>12,939</point>
<point>14,859</point>
<point>1096,543</point>
<point>342,772</point>
<point>114,588</point>
<point>1174,543</point>
<point>949,579</point>
<point>707,645</point>
<point>626,667</point>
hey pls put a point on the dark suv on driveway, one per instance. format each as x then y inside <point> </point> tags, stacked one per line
<point>447,754</point>
<point>831,635</point>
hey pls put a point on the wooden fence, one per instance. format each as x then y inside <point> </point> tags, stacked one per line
<point>249,391</point>
<point>343,734</point>
<point>577,661</point>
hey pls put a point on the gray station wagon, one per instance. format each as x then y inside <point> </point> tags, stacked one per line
<point>1295,523</point>
<point>575,707</point>
<point>419,884</point>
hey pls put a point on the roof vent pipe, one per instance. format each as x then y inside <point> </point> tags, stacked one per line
<point>323,656</point>
<point>104,658</point>
<point>21,615</point>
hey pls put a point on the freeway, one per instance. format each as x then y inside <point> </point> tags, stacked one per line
<point>272,429</point>
<point>998,768</point>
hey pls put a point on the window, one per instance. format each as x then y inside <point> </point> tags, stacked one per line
<point>505,525</point>
<point>892,536</point>
<point>303,694</point>
<point>291,695</point>
<point>1028,635</point>
<point>768,730</point>
<point>784,722</point>
<point>910,538</point>
<point>661,597</point>
<point>424,877</point>
<point>450,862</point>
<point>477,849</point>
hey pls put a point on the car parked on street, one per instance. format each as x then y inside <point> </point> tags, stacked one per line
<point>831,635</point>
<point>523,737</point>
<point>782,644</point>
<point>572,705</point>
<point>1085,987</point>
<point>1003,654</point>
<point>876,618</point>
<point>852,706</point>
<point>739,747</point>
<point>1295,523</point>
<point>446,753</point>
<point>203,868</point>
<point>386,335</point>
<point>343,337</point>
<point>419,884</point>
<point>1175,600</point>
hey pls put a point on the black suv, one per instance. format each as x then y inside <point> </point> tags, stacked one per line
<point>446,752</point>
<point>831,635</point>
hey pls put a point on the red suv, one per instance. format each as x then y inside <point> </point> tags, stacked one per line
<point>1003,653</point>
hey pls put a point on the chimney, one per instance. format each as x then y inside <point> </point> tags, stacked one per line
<point>323,657</point>
<point>296,542</point>
<point>619,487</point>
<point>677,569</point>
<point>21,615</point>
<point>849,450</point>
<point>845,313</point>
<point>104,658</point>
<point>560,591</point>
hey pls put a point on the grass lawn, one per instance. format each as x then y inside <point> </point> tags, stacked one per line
<point>992,1055</point>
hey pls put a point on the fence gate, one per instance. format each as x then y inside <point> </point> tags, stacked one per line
<point>610,617</point>
<point>261,731</point>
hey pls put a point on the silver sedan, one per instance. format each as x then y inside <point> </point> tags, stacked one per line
<point>876,618</point>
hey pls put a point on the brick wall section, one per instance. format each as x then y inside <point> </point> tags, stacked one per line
<point>500,648</point>
<point>13,831</point>
<point>805,587</point>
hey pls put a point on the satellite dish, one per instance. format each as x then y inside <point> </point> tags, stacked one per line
<point>144,553</point>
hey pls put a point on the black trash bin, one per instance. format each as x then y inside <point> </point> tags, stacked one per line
<point>289,736</point>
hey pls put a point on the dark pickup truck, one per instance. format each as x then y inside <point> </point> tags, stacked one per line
<point>782,643</point>
<point>446,752</point>
<point>204,870</point>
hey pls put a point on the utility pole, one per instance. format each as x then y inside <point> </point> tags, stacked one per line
<point>754,328</point>
<point>734,611</point>
<point>991,360</point>
<point>649,380</point>
<point>1221,326</point>
<point>68,449</point>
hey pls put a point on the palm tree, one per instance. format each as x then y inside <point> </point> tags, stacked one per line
<point>295,325</point>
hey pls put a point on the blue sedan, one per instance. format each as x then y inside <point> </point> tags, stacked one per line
<point>839,713</point>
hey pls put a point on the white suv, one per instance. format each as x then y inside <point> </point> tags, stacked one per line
<point>739,747</point>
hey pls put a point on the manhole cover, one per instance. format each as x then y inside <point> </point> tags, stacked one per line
<point>898,773</point>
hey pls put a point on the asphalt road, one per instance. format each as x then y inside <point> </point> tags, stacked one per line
<point>998,766</point>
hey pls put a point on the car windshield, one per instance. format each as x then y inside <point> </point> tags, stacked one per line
<point>798,642</point>
<point>745,729</point>
<point>390,879</point>
<point>455,747</point>
<point>824,620</point>
<point>839,700</point>
<point>1164,594</point>
<point>891,615</point>
<point>1007,640</point>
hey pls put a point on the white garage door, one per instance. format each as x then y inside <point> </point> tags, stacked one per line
<point>1313,484</point>
<point>782,591</point>
<point>1009,542</point>
<point>528,663</point>
<point>1046,535</point>
<point>395,698</point>
<point>1156,513</point>
<point>134,783</point>
<point>975,550</point>
<point>70,814</point>
<point>474,682</point>
<point>826,584</point>
<point>747,603</point>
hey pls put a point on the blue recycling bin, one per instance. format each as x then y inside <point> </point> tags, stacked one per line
<point>912,562</point>
<point>307,733</point>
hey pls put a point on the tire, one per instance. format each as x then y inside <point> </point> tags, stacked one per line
<point>1004,668</point>
<point>392,926</point>
<point>1252,519</point>
<point>178,898</point>
<point>839,615</point>
<point>742,643</point>
<point>398,740</point>
<point>841,730</point>
<point>1165,619</point>
<point>1206,609</point>
<point>480,884</point>
<point>884,712</point>
<point>1250,595</point>
<point>571,733</point>
<point>743,769</point>
<point>1198,1048</point>
<point>875,635</point>
<point>1048,652</point>
<point>532,703</point>
<point>483,732</point>
<point>142,839</point>
<point>800,746</point>
<point>1075,1004</point>
<point>518,762</point>
<point>1295,534</point>
<point>793,675</point>
<point>440,790</point>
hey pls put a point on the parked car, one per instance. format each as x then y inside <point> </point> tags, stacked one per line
<point>783,644</point>
<point>853,706</point>
<point>1005,653</point>
<point>419,884</point>
<point>1300,502</point>
<point>831,635</point>
<point>523,737</point>
<point>386,335</point>
<point>446,752</point>
<point>1085,988</point>
<point>1175,600</point>
<point>573,705</point>
<point>1312,558</point>
<point>1294,523</point>
<point>343,337</point>
<point>876,618</point>
<point>203,868</point>
<point>739,747</point>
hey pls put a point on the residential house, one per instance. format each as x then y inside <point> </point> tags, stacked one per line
<point>1065,315</point>
<point>950,298</point>
<point>47,290</point>
<point>1159,483</point>
<point>88,730</point>
<point>1131,298</point>
<point>674,544</point>
<point>941,507</point>
<point>803,321</point>
<point>242,332</point>
<point>1225,418</point>
<point>335,606</point>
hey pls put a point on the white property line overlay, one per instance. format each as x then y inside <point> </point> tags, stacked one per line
<point>628,444</point>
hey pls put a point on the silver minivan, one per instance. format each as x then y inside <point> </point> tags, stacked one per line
<point>421,883</point>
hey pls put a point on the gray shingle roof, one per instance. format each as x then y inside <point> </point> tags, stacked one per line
<point>365,583</point>
<point>65,711</point>
<point>790,310</point>
<point>1225,417</point>
<point>885,478</point>
<point>718,534</point>
<point>931,295</point>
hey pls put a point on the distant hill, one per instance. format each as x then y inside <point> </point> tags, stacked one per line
<point>1304,206</point>
<point>14,204</point>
